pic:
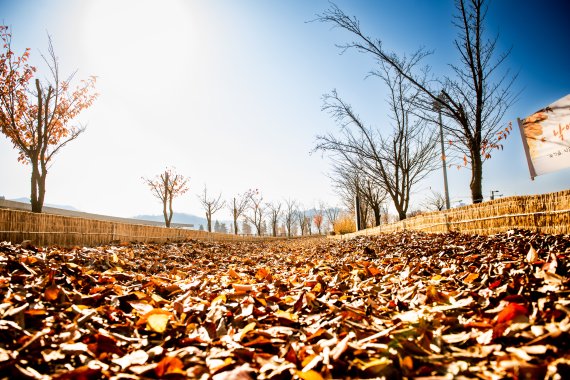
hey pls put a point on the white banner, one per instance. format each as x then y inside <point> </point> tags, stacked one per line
<point>546,138</point>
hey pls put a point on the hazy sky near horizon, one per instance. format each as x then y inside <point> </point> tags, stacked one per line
<point>229,93</point>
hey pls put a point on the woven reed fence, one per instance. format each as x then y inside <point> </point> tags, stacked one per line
<point>545,213</point>
<point>51,229</point>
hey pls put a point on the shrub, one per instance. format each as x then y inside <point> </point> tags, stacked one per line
<point>344,225</point>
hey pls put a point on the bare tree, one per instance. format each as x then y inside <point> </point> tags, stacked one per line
<point>245,228</point>
<point>301,220</point>
<point>238,205</point>
<point>257,211</point>
<point>395,163</point>
<point>349,181</point>
<point>435,201</point>
<point>210,205</point>
<point>167,186</point>
<point>274,215</point>
<point>289,215</point>
<point>473,100</point>
<point>332,214</point>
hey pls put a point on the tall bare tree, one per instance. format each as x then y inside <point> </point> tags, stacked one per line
<point>167,186</point>
<point>256,211</point>
<point>473,99</point>
<point>211,205</point>
<point>289,215</point>
<point>238,205</point>
<point>397,162</point>
<point>274,215</point>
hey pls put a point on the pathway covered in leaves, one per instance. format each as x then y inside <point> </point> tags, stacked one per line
<point>404,305</point>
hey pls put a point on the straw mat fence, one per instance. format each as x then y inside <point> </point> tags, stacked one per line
<point>50,229</point>
<point>545,213</point>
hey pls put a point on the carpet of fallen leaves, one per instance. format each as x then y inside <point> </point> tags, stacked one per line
<point>404,305</point>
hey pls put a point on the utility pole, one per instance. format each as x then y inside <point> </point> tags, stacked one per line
<point>437,107</point>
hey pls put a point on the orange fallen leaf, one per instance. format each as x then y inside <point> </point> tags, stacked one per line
<point>262,273</point>
<point>169,365</point>
<point>52,292</point>
<point>511,311</point>
<point>233,274</point>
<point>471,277</point>
<point>309,375</point>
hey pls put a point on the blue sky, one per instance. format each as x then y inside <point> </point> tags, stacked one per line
<point>229,92</point>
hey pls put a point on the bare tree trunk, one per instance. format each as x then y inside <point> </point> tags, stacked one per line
<point>170,212</point>
<point>34,197</point>
<point>235,221</point>
<point>165,213</point>
<point>476,183</point>
<point>377,215</point>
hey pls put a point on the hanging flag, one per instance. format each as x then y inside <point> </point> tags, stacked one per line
<point>546,138</point>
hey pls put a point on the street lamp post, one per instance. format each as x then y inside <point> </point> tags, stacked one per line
<point>437,107</point>
<point>493,194</point>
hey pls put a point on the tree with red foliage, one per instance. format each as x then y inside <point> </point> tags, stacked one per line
<point>37,116</point>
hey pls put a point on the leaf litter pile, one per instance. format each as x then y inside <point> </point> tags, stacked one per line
<point>403,305</point>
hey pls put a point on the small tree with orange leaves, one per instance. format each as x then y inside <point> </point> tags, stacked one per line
<point>36,117</point>
<point>167,186</point>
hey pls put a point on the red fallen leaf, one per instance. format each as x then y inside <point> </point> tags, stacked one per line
<point>299,303</point>
<point>291,356</point>
<point>169,365</point>
<point>495,284</point>
<point>510,312</point>
<point>105,344</point>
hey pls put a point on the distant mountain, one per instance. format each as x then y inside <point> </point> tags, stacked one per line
<point>177,218</point>
<point>28,201</point>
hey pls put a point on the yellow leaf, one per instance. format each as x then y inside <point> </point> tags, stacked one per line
<point>309,375</point>
<point>308,359</point>
<point>219,299</point>
<point>158,322</point>
<point>286,315</point>
<point>373,366</point>
<point>245,330</point>
<point>472,277</point>
<point>317,288</point>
